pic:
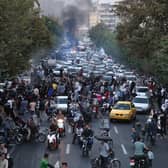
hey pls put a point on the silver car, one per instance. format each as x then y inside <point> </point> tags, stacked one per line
<point>142,91</point>
<point>142,104</point>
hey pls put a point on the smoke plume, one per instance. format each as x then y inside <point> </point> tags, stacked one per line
<point>72,13</point>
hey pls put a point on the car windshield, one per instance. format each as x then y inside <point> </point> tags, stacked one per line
<point>142,89</point>
<point>62,101</point>
<point>120,106</point>
<point>141,100</point>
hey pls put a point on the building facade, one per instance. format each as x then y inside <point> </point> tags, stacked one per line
<point>103,12</point>
<point>93,19</point>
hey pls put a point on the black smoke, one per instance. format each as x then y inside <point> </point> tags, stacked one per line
<point>75,15</point>
<point>72,17</point>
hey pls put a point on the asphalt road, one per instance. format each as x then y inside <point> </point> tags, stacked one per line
<point>29,155</point>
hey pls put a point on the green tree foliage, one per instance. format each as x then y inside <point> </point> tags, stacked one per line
<point>102,37</point>
<point>22,30</point>
<point>143,32</point>
<point>54,27</point>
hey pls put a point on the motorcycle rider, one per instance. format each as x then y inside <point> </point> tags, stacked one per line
<point>139,148</point>
<point>60,115</point>
<point>31,128</point>
<point>79,125</point>
<point>54,128</point>
<point>104,153</point>
<point>88,133</point>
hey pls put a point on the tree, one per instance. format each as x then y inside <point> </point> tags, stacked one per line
<point>143,26</point>
<point>22,30</point>
<point>103,37</point>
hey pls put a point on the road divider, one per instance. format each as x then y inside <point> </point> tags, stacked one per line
<point>124,149</point>
<point>68,149</point>
<point>116,130</point>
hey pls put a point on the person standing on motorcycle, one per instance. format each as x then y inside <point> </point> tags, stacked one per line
<point>88,133</point>
<point>104,153</point>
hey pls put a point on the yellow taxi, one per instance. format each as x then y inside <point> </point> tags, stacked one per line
<point>123,110</point>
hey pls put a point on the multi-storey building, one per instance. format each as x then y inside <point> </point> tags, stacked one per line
<point>93,19</point>
<point>104,13</point>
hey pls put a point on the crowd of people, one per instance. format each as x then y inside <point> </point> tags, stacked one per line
<point>21,100</point>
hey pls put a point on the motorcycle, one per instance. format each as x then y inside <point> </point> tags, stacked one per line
<point>36,135</point>
<point>53,140</point>
<point>111,162</point>
<point>138,162</point>
<point>61,127</point>
<point>86,145</point>
<point>13,136</point>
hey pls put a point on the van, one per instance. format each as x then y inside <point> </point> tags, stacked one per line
<point>62,102</point>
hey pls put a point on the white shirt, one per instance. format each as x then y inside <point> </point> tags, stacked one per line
<point>104,150</point>
<point>4,163</point>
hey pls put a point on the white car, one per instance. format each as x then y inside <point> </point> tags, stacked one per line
<point>142,104</point>
<point>127,73</point>
<point>131,78</point>
<point>142,91</point>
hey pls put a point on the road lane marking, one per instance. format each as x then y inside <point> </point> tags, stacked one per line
<point>69,129</point>
<point>67,149</point>
<point>115,129</point>
<point>124,150</point>
<point>57,164</point>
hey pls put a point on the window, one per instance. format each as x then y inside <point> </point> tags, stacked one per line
<point>120,106</point>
